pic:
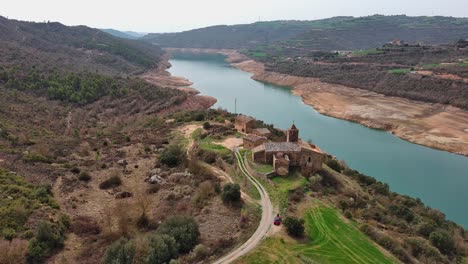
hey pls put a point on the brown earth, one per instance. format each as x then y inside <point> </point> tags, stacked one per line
<point>434,125</point>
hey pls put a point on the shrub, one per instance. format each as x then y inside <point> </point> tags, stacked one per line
<point>75,170</point>
<point>425,228</point>
<point>443,241</point>
<point>172,155</point>
<point>294,226</point>
<point>84,176</point>
<point>121,251</point>
<point>48,238</point>
<point>206,125</point>
<point>184,229</point>
<point>162,248</point>
<point>200,252</point>
<point>231,193</point>
<point>112,182</point>
<point>334,165</point>
<point>199,117</point>
<point>35,157</point>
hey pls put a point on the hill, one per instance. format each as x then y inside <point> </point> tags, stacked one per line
<point>74,48</point>
<point>123,34</point>
<point>338,33</point>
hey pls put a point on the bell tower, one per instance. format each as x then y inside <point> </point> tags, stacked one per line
<point>292,134</point>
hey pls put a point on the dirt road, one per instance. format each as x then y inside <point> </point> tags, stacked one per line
<point>265,223</point>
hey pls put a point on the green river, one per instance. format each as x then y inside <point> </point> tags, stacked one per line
<point>438,178</point>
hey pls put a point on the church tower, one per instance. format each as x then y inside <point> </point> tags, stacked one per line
<point>292,134</point>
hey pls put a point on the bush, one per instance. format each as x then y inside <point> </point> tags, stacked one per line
<point>48,238</point>
<point>172,155</point>
<point>206,125</point>
<point>84,176</point>
<point>294,226</point>
<point>183,229</point>
<point>121,251</point>
<point>200,252</point>
<point>112,182</point>
<point>35,157</point>
<point>75,170</point>
<point>162,248</point>
<point>231,193</point>
<point>334,165</point>
<point>443,241</point>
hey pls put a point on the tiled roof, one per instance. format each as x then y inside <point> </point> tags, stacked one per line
<point>263,130</point>
<point>282,146</point>
<point>244,118</point>
<point>253,138</point>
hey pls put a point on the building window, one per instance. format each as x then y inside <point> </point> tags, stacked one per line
<point>310,159</point>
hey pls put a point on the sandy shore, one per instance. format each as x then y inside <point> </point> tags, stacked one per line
<point>434,125</point>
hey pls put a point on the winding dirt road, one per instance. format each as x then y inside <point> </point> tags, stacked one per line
<point>265,223</point>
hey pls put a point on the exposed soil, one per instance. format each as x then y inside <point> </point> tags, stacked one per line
<point>434,125</point>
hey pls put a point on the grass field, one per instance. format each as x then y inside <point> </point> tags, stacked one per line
<point>331,240</point>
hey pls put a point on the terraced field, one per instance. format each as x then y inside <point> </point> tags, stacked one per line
<point>331,240</point>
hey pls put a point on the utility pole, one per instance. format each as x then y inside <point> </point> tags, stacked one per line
<point>235,105</point>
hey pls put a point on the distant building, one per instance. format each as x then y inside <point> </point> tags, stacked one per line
<point>251,141</point>
<point>244,124</point>
<point>292,153</point>
<point>263,132</point>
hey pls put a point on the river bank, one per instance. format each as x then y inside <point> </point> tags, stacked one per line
<point>161,77</point>
<point>438,126</point>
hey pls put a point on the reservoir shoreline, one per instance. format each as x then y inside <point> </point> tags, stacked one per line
<point>437,126</point>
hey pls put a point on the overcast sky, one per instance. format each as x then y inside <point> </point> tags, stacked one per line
<point>178,15</point>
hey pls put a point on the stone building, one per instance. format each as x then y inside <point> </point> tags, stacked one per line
<point>263,132</point>
<point>244,124</point>
<point>251,141</point>
<point>293,153</point>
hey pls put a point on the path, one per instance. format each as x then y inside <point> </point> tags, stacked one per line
<point>265,223</point>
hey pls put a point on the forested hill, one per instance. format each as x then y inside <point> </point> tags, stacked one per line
<point>74,48</point>
<point>338,33</point>
<point>77,64</point>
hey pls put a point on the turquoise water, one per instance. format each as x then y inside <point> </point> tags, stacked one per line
<point>438,178</point>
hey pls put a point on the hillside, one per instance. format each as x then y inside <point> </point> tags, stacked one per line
<point>435,74</point>
<point>123,34</point>
<point>75,48</point>
<point>338,33</point>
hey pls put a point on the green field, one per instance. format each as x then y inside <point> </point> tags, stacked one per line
<point>331,240</point>
<point>367,52</point>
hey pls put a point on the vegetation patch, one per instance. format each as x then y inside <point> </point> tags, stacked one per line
<point>331,240</point>
<point>19,199</point>
<point>400,71</point>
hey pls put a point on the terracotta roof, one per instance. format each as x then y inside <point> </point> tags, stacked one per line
<point>310,147</point>
<point>253,138</point>
<point>262,130</point>
<point>282,146</point>
<point>244,118</point>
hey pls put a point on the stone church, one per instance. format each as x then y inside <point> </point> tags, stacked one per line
<point>294,153</point>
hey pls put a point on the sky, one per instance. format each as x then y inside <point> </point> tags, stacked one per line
<point>178,15</point>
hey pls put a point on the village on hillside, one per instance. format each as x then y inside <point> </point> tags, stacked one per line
<point>283,155</point>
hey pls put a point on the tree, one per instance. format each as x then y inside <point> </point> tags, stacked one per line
<point>162,248</point>
<point>294,226</point>
<point>184,229</point>
<point>48,237</point>
<point>443,241</point>
<point>172,155</point>
<point>231,193</point>
<point>121,251</point>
